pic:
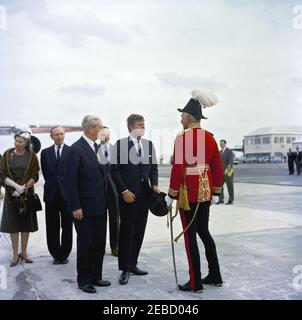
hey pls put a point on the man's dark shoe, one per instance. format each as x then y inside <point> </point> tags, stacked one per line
<point>186,287</point>
<point>64,261</point>
<point>218,202</point>
<point>101,283</point>
<point>216,281</point>
<point>230,202</point>
<point>124,278</point>
<point>114,252</point>
<point>88,288</point>
<point>56,261</point>
<point>139,272</point>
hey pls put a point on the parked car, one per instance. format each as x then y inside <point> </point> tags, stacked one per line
<point>264,159</point>
<point>236,161</point>
<point>242,159</point>
<point>251,160</point>
<point>276,159</point>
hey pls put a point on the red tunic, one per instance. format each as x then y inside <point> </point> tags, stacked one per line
<point>196,165</point>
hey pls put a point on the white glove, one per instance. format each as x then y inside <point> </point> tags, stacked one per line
<point>215,199</point>
<point>168,200</point>
<point>9,182</point>
<point>16,194</point>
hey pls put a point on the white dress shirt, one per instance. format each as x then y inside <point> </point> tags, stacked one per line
<point>136,143</point>
<point>104,147</point>
<point>56,149</point>
<point>90,142</point>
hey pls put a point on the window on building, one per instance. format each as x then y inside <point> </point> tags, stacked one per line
<point>288,140</point>
<point>257,140</point>
<point>266,140</point>
<point>247,142</point>
<point>276,140</point>
<point>293,139</point>
<point>281,139</point>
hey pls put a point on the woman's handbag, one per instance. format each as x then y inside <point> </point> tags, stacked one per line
<point>30,203</point>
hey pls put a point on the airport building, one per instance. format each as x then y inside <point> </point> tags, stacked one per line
<point>272,141</point>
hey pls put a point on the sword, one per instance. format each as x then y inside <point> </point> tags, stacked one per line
<point>172,245</point>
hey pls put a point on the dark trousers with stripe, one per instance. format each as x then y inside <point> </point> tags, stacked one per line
<point>134,218</point>
<point>91,241</point>
<point>58,217</point>
<point>200,226</point>
<point>114,219</point>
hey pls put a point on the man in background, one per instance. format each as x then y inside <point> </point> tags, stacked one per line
<point>227,157</point>
<point>105,152</point>
<point>291,161</point>
<point>53,165</point>
<point>298,160</point>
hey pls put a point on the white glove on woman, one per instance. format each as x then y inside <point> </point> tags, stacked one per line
<point>168,200</point>
<point>9,182</point>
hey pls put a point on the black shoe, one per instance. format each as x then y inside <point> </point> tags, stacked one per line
<point>186,287</point>
<point>56,261</point>
<point>124,278</point>
<point>138,272</point>
<point>101,283</point>
<point>64,261</point>
<point>230,202</point>
<point>218,202</point>
<point>217,282</point>
<point>88,288</point>
<point>114,252</point>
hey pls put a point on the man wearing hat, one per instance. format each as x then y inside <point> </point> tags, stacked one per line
<point>196,176</point>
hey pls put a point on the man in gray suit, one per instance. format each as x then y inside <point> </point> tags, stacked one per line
<point>227,157</point>
<point>105,152</point>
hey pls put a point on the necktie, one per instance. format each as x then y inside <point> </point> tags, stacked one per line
<point>139,149</point>
<point>96,148</point>
<point>106,153</point>
<point>58,152</point>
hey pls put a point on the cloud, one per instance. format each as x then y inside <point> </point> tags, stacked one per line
<point>17,6</point>
<point>183,81</point>
<point>88,90</point>
<point>296,81</point>
<point>81,24</point>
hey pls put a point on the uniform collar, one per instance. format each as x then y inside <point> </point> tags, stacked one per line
<point>194,125</point>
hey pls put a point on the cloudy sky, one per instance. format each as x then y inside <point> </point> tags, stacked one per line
<point>60,60</point>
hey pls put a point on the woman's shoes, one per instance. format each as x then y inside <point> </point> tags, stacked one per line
<point>14,263</point>
<point>27,260</point>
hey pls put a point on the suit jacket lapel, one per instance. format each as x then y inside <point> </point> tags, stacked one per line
<point>93,156</point>
<point>52,155</point>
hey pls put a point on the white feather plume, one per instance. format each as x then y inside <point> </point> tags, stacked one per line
<point>205,97</point>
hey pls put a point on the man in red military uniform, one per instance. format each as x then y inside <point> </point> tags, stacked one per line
<point>196,176</point>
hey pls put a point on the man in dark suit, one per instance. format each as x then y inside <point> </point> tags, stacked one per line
<point>227,157</point>
<point>290,161</point>
<point>105,152</point>
<point>53,163</point>
<point>298,160</point>
<point>87,183</point>
<point>134,169</point>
